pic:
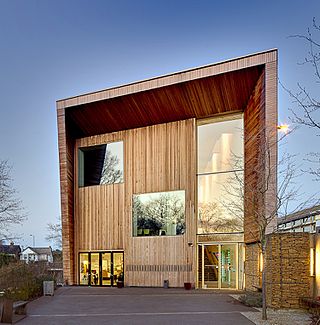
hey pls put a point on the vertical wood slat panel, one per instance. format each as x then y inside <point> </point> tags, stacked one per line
<point>66,145</point>
<point>271,91</point>
<point>156,158</point>
<point>254,133</point>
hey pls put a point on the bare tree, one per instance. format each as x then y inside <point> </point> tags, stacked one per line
<point>306,110</point>
<point>11,209</point>
<point>111,172</point>
<point>54,234</point>
<point>163,210</point>
<point>266,198</point>
<point>213,220</point>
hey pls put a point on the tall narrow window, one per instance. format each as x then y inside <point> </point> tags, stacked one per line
<point>220,177</point>
<point>101,164</point>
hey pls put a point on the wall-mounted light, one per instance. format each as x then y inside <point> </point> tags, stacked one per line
<point>283,128</point>
<point>190,244</point>
<point>312,262</point>
<point>261,262</point>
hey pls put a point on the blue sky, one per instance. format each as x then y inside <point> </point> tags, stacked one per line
<point>55,49</point>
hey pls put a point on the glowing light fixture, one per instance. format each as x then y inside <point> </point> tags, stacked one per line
<point>260,262</point>
<point>283,128</point>
<point>312,262</point>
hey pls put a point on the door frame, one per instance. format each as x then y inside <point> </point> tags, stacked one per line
<point>200,245</point>
<point>100,252</point>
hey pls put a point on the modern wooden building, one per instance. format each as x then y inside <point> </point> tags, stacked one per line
<point>154,175</point>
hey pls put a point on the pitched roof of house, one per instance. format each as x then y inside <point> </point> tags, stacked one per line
<point>10,249</point>
<point>43,250</point>
<point>40,250</point>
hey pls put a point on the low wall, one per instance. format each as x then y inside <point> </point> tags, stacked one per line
<point>287,269</point>
<point>252,274</point>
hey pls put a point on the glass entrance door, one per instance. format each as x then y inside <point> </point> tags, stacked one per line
<point>101,268</point>
<point>218,266</point>
<point>95,269</point>
<point>106,269</point>
<point>117,267</point>
<point>211,266</point>
<point>84,268</point>
<point>229,270</point>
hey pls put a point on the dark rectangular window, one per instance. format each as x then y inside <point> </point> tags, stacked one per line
<point>101,164</point>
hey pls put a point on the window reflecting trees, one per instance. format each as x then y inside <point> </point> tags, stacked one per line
<point>101,164</point>
<point>159,214</point>
<point>220,177</point>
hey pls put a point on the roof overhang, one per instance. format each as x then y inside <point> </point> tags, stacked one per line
<point>200,92</point>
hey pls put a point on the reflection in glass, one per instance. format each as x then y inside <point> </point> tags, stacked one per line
<point>220,203</point>
<point>219,265</point>
<point>241,258</point>
<point>159,214</point>
<point>220,146</point>
<point>95,274</point>
<point>211,266</point>
<point>228,266</point>
<point>84,268</point>
<point>106,268</point>
<point>101,164</point>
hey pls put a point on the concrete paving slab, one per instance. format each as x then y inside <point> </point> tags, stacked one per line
<point>83,305</point>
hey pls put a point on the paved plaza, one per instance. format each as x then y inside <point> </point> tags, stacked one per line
<point>85,305</point>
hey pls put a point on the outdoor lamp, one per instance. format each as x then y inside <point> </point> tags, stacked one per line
<point>283,128</point>
<point>312,262</point>
<point>261,262</point>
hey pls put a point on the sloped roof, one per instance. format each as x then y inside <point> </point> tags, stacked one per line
<point>40,250</point>
<point>43,250</point>
<point>10,249</point>
<point>195,93</point>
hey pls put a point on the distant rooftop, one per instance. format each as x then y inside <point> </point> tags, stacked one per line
<point>10,249</point>
<point>40,250</point>
<point>315,210</point>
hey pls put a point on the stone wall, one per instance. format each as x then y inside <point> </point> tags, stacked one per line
<point>287,269</point>
<point>252,274</point>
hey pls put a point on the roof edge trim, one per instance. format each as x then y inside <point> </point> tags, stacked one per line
<point>88,97</point>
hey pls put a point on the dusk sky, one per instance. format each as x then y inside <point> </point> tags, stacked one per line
<point>55,49</point>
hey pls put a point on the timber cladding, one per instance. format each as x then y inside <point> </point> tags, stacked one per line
<point>66,158</point>
<point>156,159</point>
<point>156,120</point>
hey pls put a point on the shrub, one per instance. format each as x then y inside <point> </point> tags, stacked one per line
<point>21,281</point>
<point>315,316</point>
<point>252,299</point>
<point>6,259</point>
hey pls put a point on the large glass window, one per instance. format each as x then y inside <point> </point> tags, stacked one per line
<point>101,164</point>
<point>159,214</point>
<point>220,177</point>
